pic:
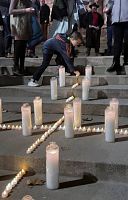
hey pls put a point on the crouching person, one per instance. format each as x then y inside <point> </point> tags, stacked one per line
<point>61,45</point>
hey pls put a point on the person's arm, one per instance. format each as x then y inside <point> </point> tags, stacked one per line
<point>13,10</point>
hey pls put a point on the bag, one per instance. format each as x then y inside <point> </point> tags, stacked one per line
<point>21,23</point>
<point>37,35</point>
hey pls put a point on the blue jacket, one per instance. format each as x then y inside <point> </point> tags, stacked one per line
<point>119,10</point>
<point>61,45</point>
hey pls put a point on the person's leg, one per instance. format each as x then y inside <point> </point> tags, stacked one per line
<point>118,40</point>
<point>7,35</point>
<point>126,43</point>
<point>46,60</point>
<point>109,40</point>
<point>22,55</point>
<point>16,55</point>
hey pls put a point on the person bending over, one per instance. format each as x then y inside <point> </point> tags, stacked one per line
<point>61,45</point>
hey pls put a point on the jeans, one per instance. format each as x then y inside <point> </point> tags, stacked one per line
<point>7,34</point>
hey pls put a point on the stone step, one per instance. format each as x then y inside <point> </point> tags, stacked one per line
<point>90,107</point>
<point>69,80</point>
<point>96,92</point>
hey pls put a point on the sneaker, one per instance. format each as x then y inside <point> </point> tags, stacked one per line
<point>33,83</point>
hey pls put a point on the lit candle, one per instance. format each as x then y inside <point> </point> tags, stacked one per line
<point>0,111</point>
<point>68,121</point>
<point>53,83</point>
<point>85,88</point>
<point>114,103</point>
<point>62,76</point>
<point>88,72</point>
<point>77,112</point>
<point>27,197</point>
<point>109,124</point>
<point>52,166</point>
<point>26,119</point>
<point>70,99</point>
<point>38,111</point>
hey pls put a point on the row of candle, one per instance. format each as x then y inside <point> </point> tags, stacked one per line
<point>45,135</point>
<point>13,183</point>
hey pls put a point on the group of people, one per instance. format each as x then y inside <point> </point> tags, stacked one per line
<point>65,35</point>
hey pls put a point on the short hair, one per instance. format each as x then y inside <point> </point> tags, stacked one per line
<point>76,36</point>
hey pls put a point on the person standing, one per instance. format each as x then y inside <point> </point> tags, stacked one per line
<point>120,31</point>
<point>21,29</point>
<point>44,18</point>
<point>4,7</point>
<point>94,22</point>
<point>1,36</point>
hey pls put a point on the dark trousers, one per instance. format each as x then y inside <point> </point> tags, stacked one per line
<point>46,60</point>
<point>19,55</point>
<point>109,39</point>
<point>2,52</point>
<point>120,31</point>
<point>7,34</point>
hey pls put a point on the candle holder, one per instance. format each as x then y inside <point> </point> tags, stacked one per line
<point>38,116</point>
<point>53,83</point>
<point>26,119</point>
<point>109,125</point>
<point>68,122</point>
<point>52,166</point>
<point>77,112</point>
<point>27,197</point>
<point>62,76</point>
<point>85,88</point>
<point>114,103</point>
<point>1,111</point>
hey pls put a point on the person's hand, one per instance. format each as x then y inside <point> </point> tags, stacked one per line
<point>30,10</point>
<point>77,73</point>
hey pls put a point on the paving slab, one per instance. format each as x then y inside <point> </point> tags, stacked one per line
<point>70,188</point>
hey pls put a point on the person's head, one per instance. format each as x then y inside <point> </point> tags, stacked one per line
<point>94,7</point>
<point>42,2</point>
<point>76,38</point>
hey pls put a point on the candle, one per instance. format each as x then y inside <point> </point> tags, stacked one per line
<point>27,197</point>
<point>26,119</point>
<point>77,112</point>
<point>88,72</point>
<point>114,103</point>
<point>0,111</point>
<point>62,76</point>
<point>38,111</point>
<point>4,194</point>
<point>53,83</point>
<point>109,124</point>
<point>68,122</point>
<point>52,166</point>
<point>70,99</point>
<point>85,88</point>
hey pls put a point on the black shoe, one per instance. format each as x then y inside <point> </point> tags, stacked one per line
<point>121,71</point>
<point>113,68</point>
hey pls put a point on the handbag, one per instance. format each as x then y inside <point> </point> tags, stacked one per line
<point>37,35</point>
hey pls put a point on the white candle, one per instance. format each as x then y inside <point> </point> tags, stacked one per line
<point>114,103</point>
<point>109,124</point>
<point>26,119</point>
<point>38,116</point>
<point>27,197</point>
<point>1,111</point>
<point>52,166</point>
<point>88,72</point>
<point>77,112</point>
<point>4,194</point>
<point>53,83</point>
<point>62,76</point>
<point>85,88</point>
<point>68,121</point>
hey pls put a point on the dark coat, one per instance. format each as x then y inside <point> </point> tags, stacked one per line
<point>44,14</point>
<point>59,10</point>
<point>93,35</point>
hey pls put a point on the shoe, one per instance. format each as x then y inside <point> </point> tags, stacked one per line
<point>121,71</point>
<point>67,74</point>
<point>113,68</point>
<point>33,83</point>
<point>16,73</point>
<point>9,55</point>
